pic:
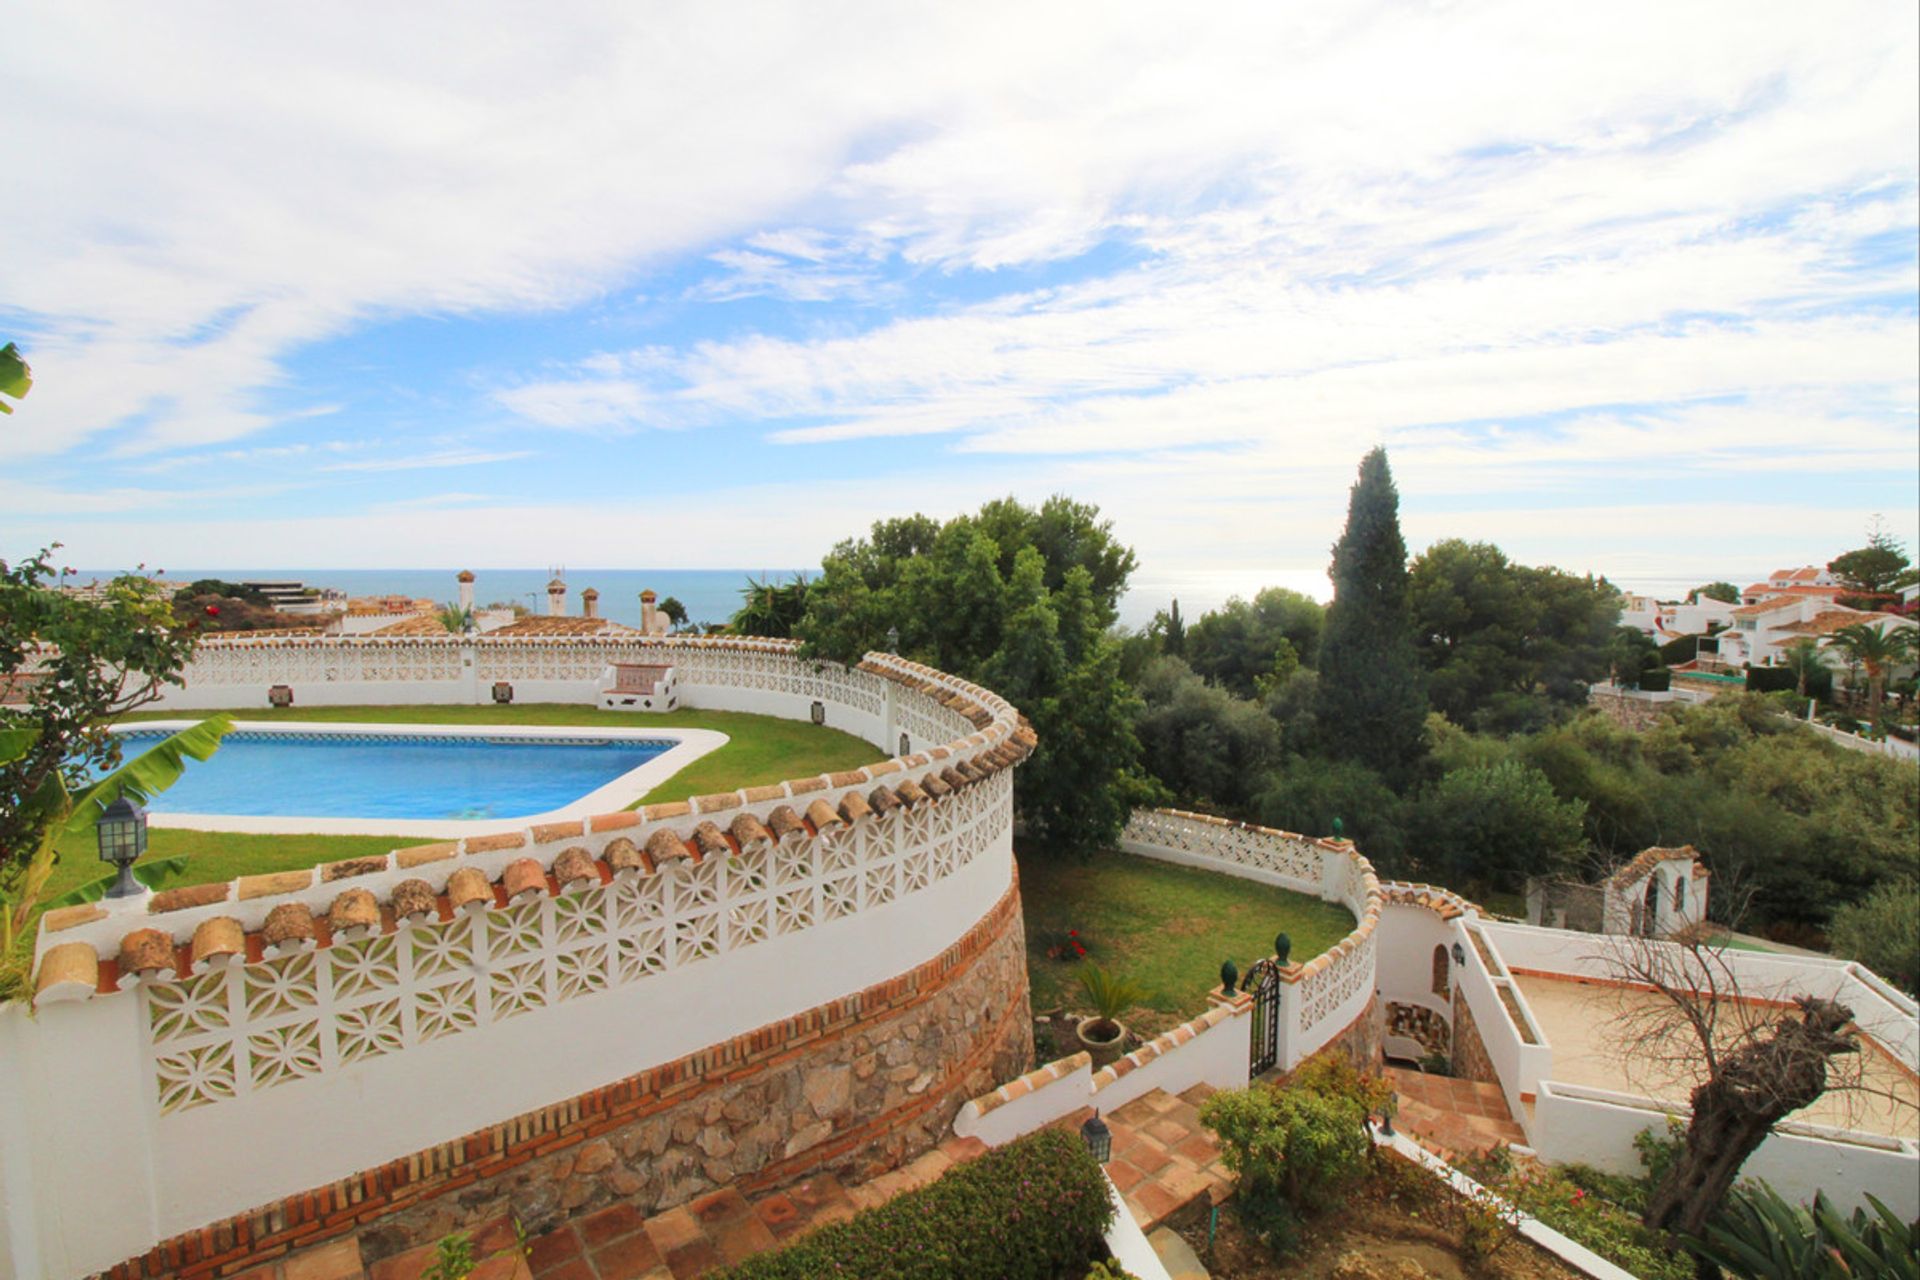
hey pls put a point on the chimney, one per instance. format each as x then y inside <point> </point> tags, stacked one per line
<point>590,603</point>
<point>647,611</point>
<point>557,598</point>
<point>466,589</point>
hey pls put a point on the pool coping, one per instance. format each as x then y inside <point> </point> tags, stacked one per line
<point>689,745</point>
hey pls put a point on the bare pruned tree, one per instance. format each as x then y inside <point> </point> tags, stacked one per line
<point>1747,1058</point>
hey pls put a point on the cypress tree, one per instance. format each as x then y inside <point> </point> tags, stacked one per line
<point>1372,699</point>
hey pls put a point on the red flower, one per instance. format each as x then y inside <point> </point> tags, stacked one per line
<point>213,611</point>
<point>1073,933</point>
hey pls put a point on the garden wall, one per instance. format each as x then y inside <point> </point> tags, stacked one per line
<point>1321,998</point>
<point>228,1068</point>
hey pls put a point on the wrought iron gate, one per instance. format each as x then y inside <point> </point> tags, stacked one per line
<point>1263,984</point>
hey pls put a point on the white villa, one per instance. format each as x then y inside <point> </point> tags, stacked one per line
<point>1760,632</point>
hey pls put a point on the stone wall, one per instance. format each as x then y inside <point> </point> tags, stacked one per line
<point>1470,1058</point>
<point>1637,714</point>
<point>858,1087</point>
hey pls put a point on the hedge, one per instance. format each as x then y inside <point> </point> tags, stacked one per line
<point>1035,1209</point>
<point>1771,679</point>
<point>1680,649</point>
<point>1656,679</point>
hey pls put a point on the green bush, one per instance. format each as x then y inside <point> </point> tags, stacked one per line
<point>1883,932</point>
<point>1035,1209</point>
<point>1299,1146</point>
<point>1771,679</point>
<point>1680,649</point>
<point>1656,679</point>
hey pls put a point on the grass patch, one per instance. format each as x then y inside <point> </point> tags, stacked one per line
<point>759,749</point>
<point>1166,927</point>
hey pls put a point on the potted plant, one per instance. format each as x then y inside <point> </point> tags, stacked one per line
<point>1103,1035</point>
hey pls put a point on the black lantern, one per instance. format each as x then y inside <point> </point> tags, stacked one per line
<point>1459,954</point>
<point>121,830</point>
<point>1229,976</point>
<point>1098,1137</point>
<point>502,691</point>
<point>893,639</point>
<point>819,712</point>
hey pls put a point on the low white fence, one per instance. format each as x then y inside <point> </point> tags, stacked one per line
<point>1891,747</point>
<point>1320,998</point>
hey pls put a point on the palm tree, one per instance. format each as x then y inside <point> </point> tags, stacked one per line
<point>1878,652</point>
<point>1805,658</point>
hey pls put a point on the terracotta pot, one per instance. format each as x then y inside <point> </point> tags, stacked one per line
<point>1103,1048</point>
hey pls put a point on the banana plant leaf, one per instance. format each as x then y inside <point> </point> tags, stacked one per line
<point>14,743</point>
<point>152,772</point>
<point>155,873</point>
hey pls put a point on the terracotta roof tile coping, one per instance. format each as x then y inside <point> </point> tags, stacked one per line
<point>218,938</point>
<point>619,821</point>
<point>850,778</point>
<point>623,854</point>
<point>884,767</point>
<point>85,913</point>
<point>748,831</point>
<point>575,868</point>
<point>854,806</point>
<point>760,795</point>
<point>273,884</point>
<point>70,971</point>
<point>494,843</point>
<point>355,909</point>
<point>783,821</point>
<point>421,855</point>
<point>414,899</point>
<point>823,817</point>
<point>550,831</point>
<point>711,841</point>
<point>674,809</point>
<point>801,786</point>
<point>348,868</point>
<point>716,802</point>
<point>289,924</point>
<point>193,895</point>
<point>665,845</point>
<point>468,887</point>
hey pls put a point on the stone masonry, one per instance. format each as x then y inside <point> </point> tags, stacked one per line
<point>1470,1060</point>
<point>856,1104</point>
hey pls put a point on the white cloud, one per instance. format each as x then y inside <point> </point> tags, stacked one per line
<point>431,461</point>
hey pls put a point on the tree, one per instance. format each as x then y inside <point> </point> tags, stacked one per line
<point>16,379</point>
<point>1029,621</point>
<point>1373,701</point>
<point>1871,573</point>
<point>1878,652</point>
<point>1882,931</point>
<point>1174,637</point>
<point>1206,746</point>
<point>1724,592</point>
<point>1308,793</point>
<point>84,663</point>
<point>769,608</point>
<point>1493,826</point>
<point>1245,642</point>
<point>1630,652</point>
<point>1753,1064</point>
<point>1806,659</point>
<point>1494,635</point>
<point>673,611</point>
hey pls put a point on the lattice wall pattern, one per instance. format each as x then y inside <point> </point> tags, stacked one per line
<point>248,1027</point>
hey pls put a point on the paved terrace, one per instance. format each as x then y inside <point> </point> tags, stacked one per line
<point>1579,1017</point>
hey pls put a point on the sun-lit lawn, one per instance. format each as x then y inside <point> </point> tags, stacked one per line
<point>1166,927</point>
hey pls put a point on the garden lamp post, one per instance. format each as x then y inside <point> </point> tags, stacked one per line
<point>121,830</point>
<point>1098,1137</point>
<point>893,639</point>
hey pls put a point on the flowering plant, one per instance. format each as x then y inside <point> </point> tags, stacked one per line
<point>1071,947</point>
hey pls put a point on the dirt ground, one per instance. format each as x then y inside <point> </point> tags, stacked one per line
<point>1374,1235</point>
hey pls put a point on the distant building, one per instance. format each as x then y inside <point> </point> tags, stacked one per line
<point>1806,582</point>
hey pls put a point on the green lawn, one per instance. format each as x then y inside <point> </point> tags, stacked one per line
<point>1164,926</point>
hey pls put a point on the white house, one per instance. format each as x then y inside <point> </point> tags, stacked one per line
<point>1760,632</point>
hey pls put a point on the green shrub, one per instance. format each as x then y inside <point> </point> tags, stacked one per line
<point>1883,932</point>
<point>1034,1209</point>
<point>1656,679</point>
<point>1300,1145</point>
<point>1583,1208</point>
<point>1109,994</point>
<point>1771,679</point>
<point>1680,649</point>
<point>1761,1235</point>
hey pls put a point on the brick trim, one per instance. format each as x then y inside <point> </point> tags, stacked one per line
<point>306,1218</point>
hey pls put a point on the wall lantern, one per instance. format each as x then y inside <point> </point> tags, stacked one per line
<point>121,830</point>
<point>1459,954</point>
<point>503,691</point>
<point>893,640</point>
<point>906,745</point>
<point>819,711</point>
<point>280,695</point>
<point>1098,1137</point>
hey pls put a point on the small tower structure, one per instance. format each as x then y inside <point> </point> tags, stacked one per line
<point>466,589</point>
<point>557,596</point>
<point>589,603</point>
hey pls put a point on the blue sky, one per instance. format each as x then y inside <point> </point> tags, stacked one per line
<point>1630,290</point>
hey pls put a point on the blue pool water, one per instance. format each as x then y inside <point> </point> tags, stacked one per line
<point>398,776</point>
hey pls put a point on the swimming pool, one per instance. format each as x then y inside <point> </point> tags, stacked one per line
<point>412,779</point>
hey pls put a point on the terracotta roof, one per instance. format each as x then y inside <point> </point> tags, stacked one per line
<point>566,626</point>
<point>465,575</point>
<point>1824,623</point>
<point>1647,859</point>
<point>420,624</point>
